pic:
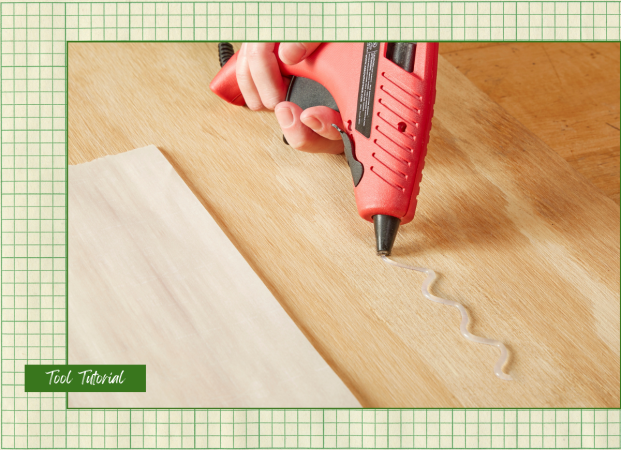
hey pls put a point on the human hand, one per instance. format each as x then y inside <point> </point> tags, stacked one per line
<point>264,87</point>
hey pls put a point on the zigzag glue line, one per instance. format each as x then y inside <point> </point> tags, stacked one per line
<point>431,277</point>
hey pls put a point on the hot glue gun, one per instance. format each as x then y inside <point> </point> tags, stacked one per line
<point>385,94</point>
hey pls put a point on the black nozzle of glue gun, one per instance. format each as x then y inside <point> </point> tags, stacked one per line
<point>386,228</point>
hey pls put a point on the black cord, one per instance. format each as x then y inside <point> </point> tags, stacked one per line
<point>225,51</point>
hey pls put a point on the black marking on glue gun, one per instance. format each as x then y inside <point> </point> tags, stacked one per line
<point>356,167</point>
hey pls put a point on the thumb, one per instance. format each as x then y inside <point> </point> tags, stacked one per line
<point>294,52</point>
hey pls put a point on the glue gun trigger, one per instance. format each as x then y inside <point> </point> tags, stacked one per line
<point>356,167</point>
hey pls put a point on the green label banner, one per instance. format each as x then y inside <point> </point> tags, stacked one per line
<point>86,378</point>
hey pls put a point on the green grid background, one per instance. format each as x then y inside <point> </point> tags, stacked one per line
<point>33,103</point>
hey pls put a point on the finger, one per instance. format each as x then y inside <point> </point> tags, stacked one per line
<point>320,120</point>
<point>294,52</point>
<point>301,137</point>
<point>266,73</point>
<point>244,80</point>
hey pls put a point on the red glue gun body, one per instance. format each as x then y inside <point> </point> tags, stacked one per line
<point>386,105</point>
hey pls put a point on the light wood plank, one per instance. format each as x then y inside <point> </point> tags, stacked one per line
<point>155,281</point>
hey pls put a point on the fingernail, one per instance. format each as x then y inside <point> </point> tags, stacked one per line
<point>297,52</point>
<point>313,123</point>
<point>284,116</point>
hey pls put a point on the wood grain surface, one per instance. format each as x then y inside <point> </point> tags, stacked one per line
<point>526,243</point>
<point>567,94</point>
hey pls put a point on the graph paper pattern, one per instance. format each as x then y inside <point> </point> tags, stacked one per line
<point>34,170</point>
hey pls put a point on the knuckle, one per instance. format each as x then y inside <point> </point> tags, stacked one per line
<point>243,76</point>
<point>256,51</point>
<point>242,71</point>
<point>271,101</point>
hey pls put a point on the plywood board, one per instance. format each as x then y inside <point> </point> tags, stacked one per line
<point>155,281</point>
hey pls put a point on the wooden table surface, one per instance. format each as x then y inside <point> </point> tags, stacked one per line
<point>525,242</point>
<point>565,94</point>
